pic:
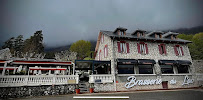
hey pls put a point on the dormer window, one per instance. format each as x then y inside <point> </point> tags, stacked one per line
<point>122,33</point>
<point>159,36</point>
<point>172,37</point>
<point>141,34</point>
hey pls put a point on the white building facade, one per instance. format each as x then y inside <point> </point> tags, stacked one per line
<point>146,60</point>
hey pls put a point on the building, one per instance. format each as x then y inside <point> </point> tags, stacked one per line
<point>146,60</point>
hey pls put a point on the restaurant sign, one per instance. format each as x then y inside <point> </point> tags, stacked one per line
<point>132,82</point>
<point>187,80</point>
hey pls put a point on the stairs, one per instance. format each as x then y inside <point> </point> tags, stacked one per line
<point>83,86</point>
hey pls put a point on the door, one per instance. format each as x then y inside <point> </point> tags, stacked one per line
<point>165,84</point>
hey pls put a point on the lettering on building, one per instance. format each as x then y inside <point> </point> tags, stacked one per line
<point>132,82</point>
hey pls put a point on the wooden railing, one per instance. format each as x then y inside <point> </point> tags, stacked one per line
<point>34,80</point>
<point>104,78</point>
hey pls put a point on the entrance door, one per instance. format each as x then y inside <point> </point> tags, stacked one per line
<point>165,84</point>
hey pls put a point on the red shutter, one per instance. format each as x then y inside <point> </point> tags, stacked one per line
<point>160,51</point>
<point>175,50</point>
<point>138,47</point>
<point>119,49</point>
<point>146,48</point>
<point>165,49</point>
<point>127,45</point>
<point>182,50</point>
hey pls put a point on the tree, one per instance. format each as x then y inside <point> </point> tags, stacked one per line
<point>196,48</point>
<point>35,43</point>
<point>18,46</point>
<point>82,48</point>
<point>9,44</point>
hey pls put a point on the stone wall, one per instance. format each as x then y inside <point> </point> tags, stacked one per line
<point>122,80</point>
<point>15,92</point>
<point>103,87</point>
<point>198,64</point>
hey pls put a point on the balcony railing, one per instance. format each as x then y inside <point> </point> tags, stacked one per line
<point>34,80</point>
<point>104,78</point>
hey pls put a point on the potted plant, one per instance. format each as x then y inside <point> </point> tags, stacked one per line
<point>91,87</point>
<point>77,90</point>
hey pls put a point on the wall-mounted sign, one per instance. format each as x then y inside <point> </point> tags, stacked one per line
<point>187,80</point>
<point>173,81</point>
<point>132,81</point>
<point>126,62</point>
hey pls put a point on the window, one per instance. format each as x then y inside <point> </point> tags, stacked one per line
<point>178,50</point>
<point>145,69</point>
<point>142,48</point>
<point>105,51</point>
<point>123,47</point>
<point>100,55</point>
<point>159,36</point>
<point>162,49</point>
<point>125,69</point>
<point>102,38</point>
<point>141,34</point>
<point>122,33</point>
<point>166,69</point>
<point>183,69</point>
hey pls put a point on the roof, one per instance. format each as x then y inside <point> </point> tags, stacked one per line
<point>120,28</point>
<point>146,38</point>
<point>130,36</point>
<point>169,33</point>
<point>159,32</point>
<point>139,30</point>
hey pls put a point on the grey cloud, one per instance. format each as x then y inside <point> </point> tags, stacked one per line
<point>66,21</point>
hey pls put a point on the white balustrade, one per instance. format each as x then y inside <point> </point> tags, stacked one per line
<point>34,80</point>
<point>104,78</point>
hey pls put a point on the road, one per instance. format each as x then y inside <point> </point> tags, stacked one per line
<point>186,94</point>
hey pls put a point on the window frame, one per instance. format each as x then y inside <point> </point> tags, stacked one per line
<point>152,68</point>
<point>167,68</point>
<point>133,67</point>
<point>178,50</point>
<point>162,49</point>
<point>180,66</point>
<point>141,46</point>
<point>123,47</point>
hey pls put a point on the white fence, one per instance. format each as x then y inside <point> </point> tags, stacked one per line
<point>34,80</point>
<point>101,78</point>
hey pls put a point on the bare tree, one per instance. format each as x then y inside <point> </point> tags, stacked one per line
<point>65,55</point>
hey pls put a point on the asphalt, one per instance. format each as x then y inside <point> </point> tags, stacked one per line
<point>180,94</point>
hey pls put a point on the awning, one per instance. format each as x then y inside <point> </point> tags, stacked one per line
<point>127,61</point>
<point>183,62</point>
<point>146,61</point>
<point>167,62</point>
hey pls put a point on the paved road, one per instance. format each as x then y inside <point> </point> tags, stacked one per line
<point>187,94</point>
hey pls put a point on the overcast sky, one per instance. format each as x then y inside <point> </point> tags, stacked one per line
<point>66,21</point>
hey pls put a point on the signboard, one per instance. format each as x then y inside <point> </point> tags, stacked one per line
<point>97,81</point>
<point>132,82</point>
<point>72,81</point>
<point>187,80</point>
